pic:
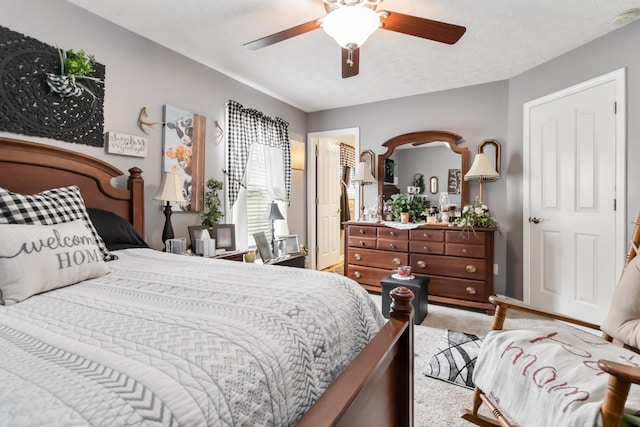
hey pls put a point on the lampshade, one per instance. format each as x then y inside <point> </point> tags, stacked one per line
<point>297,155</point>
<point>272,212</point>
<point>481,169</point>
<point>363,174</point>
<point>350,26</point>
<point>170,188</point>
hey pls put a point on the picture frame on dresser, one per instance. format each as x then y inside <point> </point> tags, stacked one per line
<point>225,235</point>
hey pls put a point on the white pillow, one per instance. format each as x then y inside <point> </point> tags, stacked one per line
<point>36,258</point>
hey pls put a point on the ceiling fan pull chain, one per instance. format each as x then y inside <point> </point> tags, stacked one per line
<point>350,55</point>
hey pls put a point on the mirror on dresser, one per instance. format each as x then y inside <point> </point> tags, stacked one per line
<point>430,153</point>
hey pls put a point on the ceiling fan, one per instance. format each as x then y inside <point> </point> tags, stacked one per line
<point>351,22</point>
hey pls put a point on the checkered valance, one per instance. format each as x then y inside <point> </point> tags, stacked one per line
<point>347,155</point>
<point>248,126</point>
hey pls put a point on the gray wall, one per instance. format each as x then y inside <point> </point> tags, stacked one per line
<point>476,113</point>
<point>141,73</point>
<point>608,53</point>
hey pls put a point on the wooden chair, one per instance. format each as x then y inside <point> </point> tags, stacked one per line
<point>535,361</point>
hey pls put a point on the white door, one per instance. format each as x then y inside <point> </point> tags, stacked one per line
<point>328,207</point>
<point>571,262</point>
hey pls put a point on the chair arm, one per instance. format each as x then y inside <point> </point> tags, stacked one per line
<point>620,370</point>
<point>502,304</point>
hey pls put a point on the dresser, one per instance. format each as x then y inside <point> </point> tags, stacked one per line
<point>459,263</point>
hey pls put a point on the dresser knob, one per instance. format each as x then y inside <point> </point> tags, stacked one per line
<point>361,231</point>
<point>422,264</point>
<point>392,233</point>
<point>471,290</point>
<point>361,243</point>
<point>470,268</point>
<point>396,261</point>
<point>426,248</point>
<point>426,235</point>
<point>357,275</point>
<point>464,237</point>
<point>392,246</point>
<point>357,257</point>
<point>465,250</point>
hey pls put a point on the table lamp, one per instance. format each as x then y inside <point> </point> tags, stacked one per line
<point>363,175</point>
<point>481,170</point>
<point>272,214</point>
<point>170,191</point>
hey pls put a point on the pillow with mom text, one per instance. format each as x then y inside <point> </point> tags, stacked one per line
<point>36,258</point>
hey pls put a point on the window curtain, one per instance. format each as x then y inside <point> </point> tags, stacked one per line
<point>246,127</point>
<point>252,135</point>
<point>347,163</point>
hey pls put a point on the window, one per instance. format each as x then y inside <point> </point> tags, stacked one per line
<point>257,194</point>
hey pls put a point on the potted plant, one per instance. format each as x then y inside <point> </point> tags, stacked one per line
<point>476,215</point>
<point>411,205</point>
<point>74,65</point>
<point>211,213</point>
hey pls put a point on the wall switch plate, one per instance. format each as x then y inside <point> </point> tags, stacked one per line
<point>495,269</point>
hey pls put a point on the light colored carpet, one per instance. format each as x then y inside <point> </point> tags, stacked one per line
<point>437,403</point>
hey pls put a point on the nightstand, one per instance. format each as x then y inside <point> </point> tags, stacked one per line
<point>289,261</point>
<point>231,256</point>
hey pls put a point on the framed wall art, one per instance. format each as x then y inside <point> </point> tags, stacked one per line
<point>183,153</point>
<point>454,181</point>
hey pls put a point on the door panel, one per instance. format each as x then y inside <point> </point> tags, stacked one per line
<point>328,208</point>
<point>572,189</point>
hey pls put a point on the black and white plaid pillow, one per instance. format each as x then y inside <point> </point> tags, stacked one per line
<point>48,207</point>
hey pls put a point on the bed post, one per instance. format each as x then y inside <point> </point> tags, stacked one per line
<point>402,310</point>
<point>135,184</point>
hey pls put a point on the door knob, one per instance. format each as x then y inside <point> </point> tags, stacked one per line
<point>535,220</point>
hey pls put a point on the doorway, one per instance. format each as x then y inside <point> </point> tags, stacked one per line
<point>574,197</point>
<point>322,230</point>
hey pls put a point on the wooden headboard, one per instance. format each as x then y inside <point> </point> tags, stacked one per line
<point>29,167</point>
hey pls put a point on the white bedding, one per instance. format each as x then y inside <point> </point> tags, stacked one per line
<point>174,340</point>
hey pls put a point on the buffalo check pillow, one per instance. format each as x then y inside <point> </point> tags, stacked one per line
<point>37,258</point>
<point>47,208</point>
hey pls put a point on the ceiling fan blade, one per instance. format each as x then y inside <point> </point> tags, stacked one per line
<point>421,27</point>
<point>283,35</point>
<point>350,65</point>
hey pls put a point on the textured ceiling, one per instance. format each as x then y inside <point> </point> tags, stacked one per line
<point>503,39</point>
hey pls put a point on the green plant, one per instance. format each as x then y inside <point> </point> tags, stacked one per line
<point>418,181</point>
<point>476,215</point>
<point>76,64</point>
<point>401,202</point>
<point>211,213</point>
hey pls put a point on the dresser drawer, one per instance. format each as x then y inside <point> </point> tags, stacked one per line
<point>427,234</point>
<point>392,233</point>
<point>467,268</point>
<point>463,236</point>
<point>377,258</point>
<point>468,250</point>
<point>426,247</point>
<point>363,242</point>
<point>367,275</point>
<point>362,230</point>
<point>470,290</point>
<point>393,244</point>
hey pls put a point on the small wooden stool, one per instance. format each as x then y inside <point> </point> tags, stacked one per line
<point>419,285</point>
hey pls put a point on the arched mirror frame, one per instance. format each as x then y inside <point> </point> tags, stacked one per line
<point>421,138</point>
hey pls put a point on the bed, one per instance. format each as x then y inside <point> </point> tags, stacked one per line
<point>165,339</point>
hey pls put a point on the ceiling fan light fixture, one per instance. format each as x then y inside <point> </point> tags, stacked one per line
<point>350,26</point>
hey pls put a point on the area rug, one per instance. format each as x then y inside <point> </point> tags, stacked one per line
<point>455,358</point>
